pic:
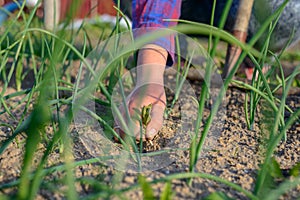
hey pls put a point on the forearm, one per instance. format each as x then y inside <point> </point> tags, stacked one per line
<point>151,64</point>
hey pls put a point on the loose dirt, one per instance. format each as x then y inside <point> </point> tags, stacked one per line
<point>232,151</point>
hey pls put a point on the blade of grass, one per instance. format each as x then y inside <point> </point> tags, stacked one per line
<point>198,175</point>
<point>212,17</point>
<point>146,188</point>
<point>167,193</point>
<point>39,117</point>
<point>283,188</point>
<point>221,25</point>
<point>254,99</point>
<point>273,141</point>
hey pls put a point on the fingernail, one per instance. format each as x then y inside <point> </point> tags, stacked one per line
<point>152,132</point>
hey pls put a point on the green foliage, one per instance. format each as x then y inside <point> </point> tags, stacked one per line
<point>3,197</point>
<point>274,169</point>
<point>272,175</point>
<point>295,171</point>
<point>146,188</point>
<point>217,196</point>
<point>296,83</point>
<point>27,48</point>
<point>167,193</point>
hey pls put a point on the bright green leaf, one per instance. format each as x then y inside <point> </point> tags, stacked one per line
<point>167,192</point>
<point>217,196</point>
<point>295,171</point>
<point>146,188</point>
<point>275,170</point>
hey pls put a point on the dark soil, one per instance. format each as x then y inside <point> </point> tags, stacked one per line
<point>232,151</point>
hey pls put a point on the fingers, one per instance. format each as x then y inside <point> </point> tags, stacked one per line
<point>151,130</point>
<point>157,116</point>
<point>130,121</point>
<point>153,94</point>
<point>127,123</point>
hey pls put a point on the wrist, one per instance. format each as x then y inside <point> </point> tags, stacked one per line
<point>150,73</point>
<point>151,64</point>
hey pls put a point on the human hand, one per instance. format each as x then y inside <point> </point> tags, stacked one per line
<point>146,105</point>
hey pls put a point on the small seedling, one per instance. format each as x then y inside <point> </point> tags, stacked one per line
<point>146,117</point>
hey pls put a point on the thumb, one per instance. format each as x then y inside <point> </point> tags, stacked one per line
<point>157,118</point>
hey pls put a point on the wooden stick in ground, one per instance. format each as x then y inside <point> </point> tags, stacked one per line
<point>51,13</point>
<point>240,30</point>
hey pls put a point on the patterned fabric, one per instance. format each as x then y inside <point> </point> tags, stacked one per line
<point>150,15</point>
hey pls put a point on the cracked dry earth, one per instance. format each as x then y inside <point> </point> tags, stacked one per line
<point>232,152</point>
